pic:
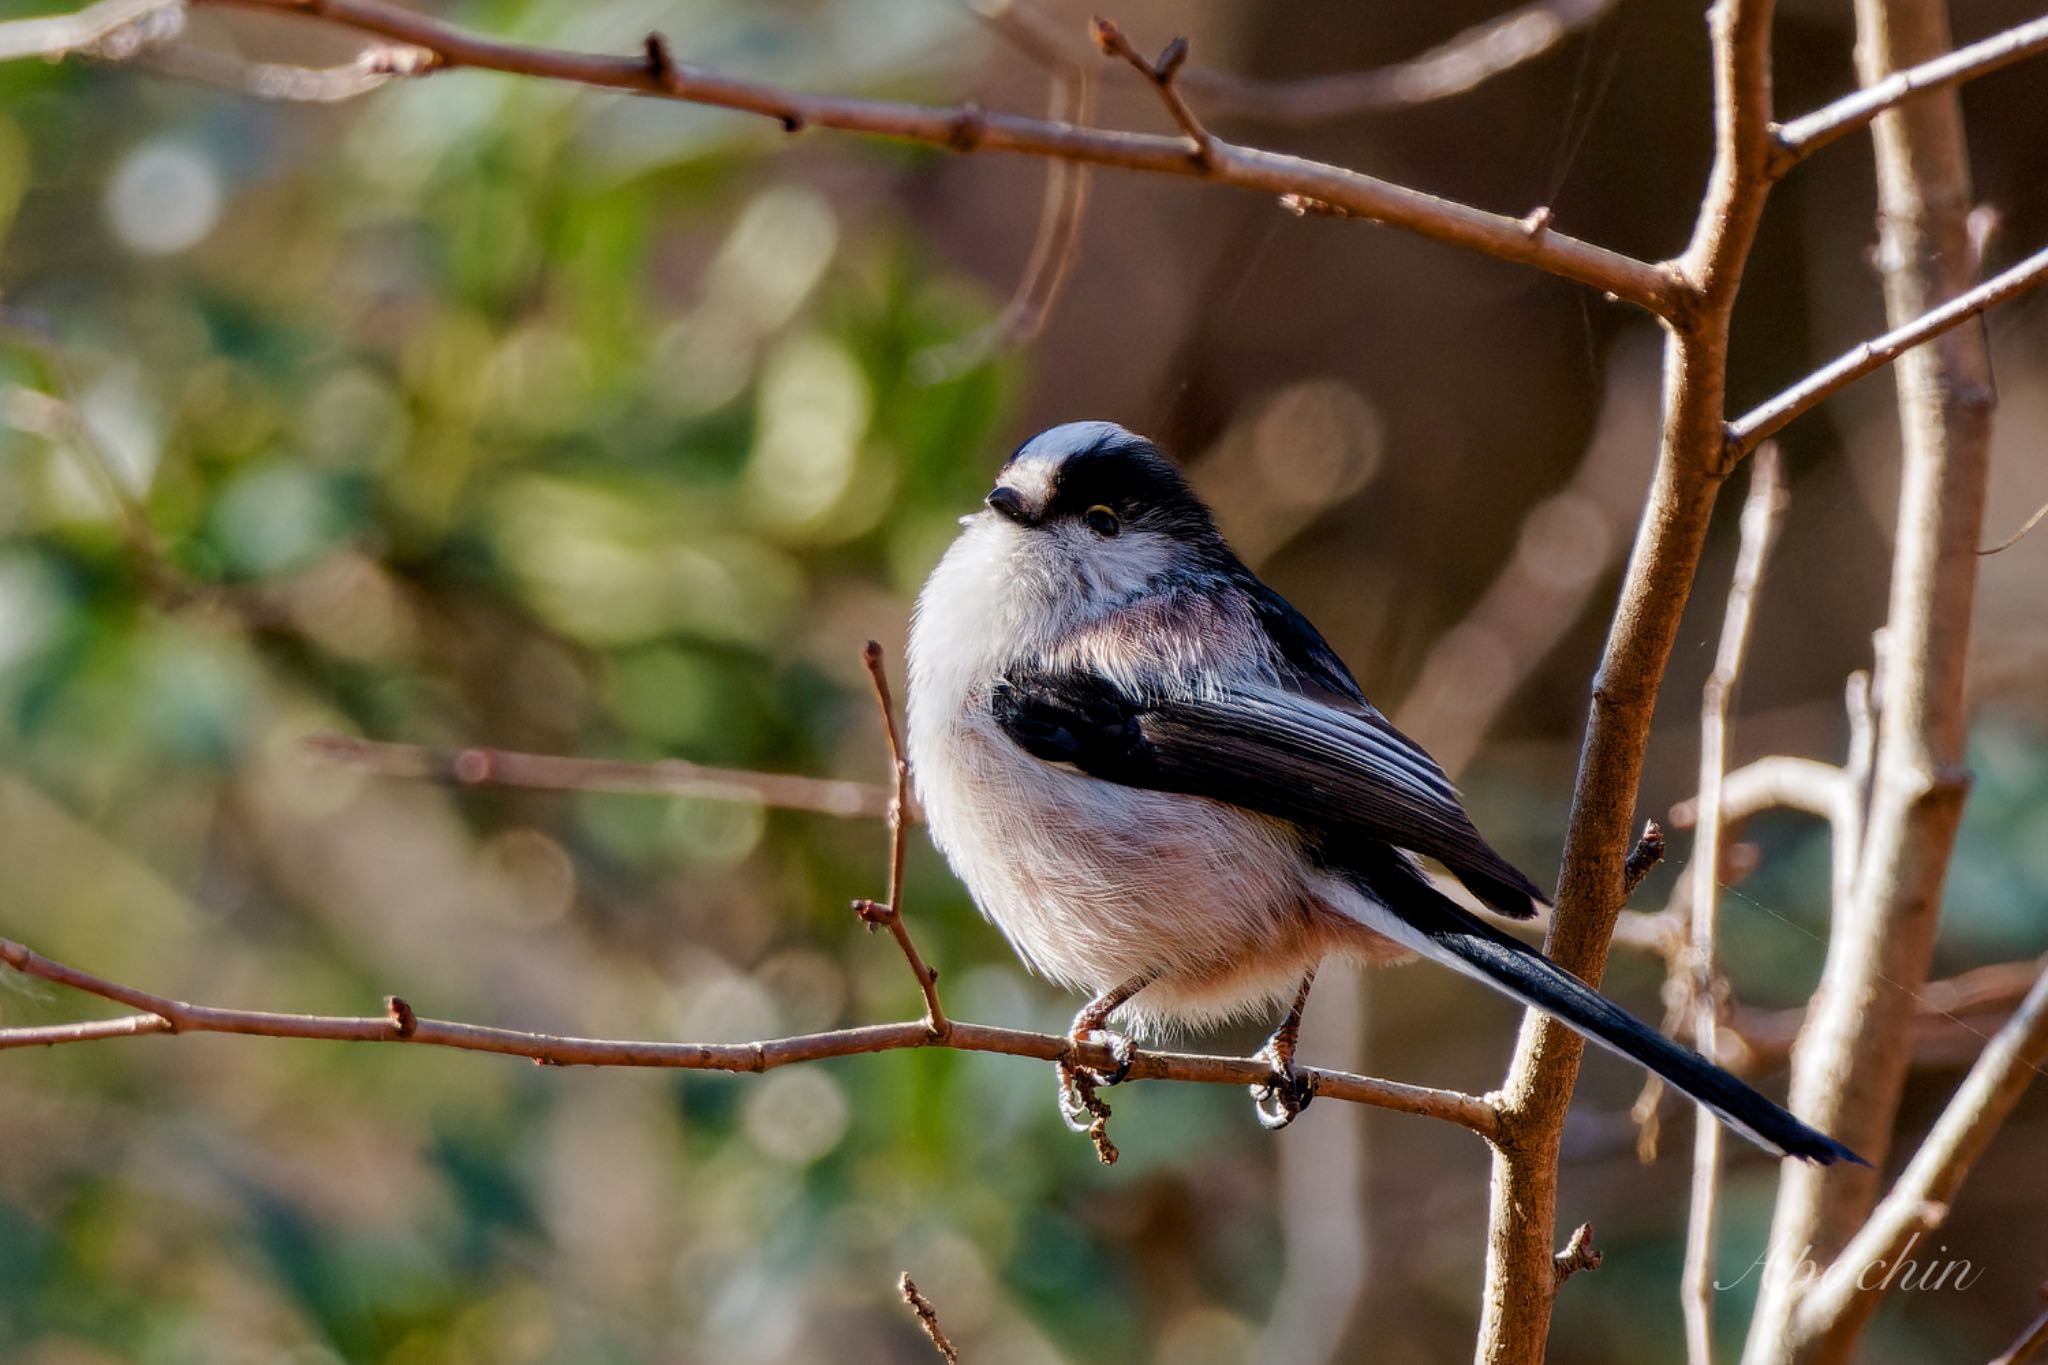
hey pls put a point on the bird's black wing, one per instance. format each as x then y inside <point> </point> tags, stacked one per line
<point>1339,772</point>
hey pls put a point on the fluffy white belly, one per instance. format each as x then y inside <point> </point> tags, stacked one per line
<point>1095,884</point>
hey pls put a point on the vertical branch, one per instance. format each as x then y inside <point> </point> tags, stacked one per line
<point>927,1318</point>
<point>891,914</point>
<point>1834,1308</point>
<point>1849,1068</point>
<point>1760,516</point>
<point>1691,464</point>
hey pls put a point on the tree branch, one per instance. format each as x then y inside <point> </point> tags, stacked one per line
<point>1770,417</point>
<point>891,914</point>
<point>160,1014</point>
<point>1161,73</point>
<point>110,29</point>
<point>1919,1201</point>
<point>1849,1068</point>
<point>1455,66</point>
<point>1459,64</point>
<point>927,1318</point>
<point>967,128</point>
<point>1691,464</point>
<point>1761,512</point>
<point>2030,1341</point>
<point>481,767</point>
<point>1803,136</point>
<point>1774,782</point>
<point>1054,249</point>
<point>1766,1037</point>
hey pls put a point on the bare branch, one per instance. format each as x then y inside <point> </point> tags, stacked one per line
<point>927,1318</point>
<point>1461,63</point>
<point>1849,1069</point>
<point>1803,136</point>
<point>967,128</point>
<point>2017,536</point>
<point>1054,250</point>
<point>1769,418</point>
<point>372,68</point>
<point>1919,1201</point>
<point>891,914</point>
<point>110,29</point>
<point>2030,1341</point>
<point>159,1014</point>
<point>481,767</point>
<point>1761,512</point>
<point>55,417</point>
<point>1161,73</point>
<point>1691,464</point>
<point>1775,782</point>
<point>1941,1031</point>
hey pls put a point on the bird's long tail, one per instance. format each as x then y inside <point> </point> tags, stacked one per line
<point>1437,927</point>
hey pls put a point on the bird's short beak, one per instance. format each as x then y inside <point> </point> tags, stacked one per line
<point>1010,503</point>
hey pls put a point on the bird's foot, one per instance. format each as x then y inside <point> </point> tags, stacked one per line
<point>1078,1084</point>
<point>1081,1108</point>
<point>1280,1098</point>
<point>1121,1050</point>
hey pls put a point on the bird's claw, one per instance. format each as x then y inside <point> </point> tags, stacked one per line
<point>1079,1106</point>
<point>1279,1100</point>
<point>1120,1048</point>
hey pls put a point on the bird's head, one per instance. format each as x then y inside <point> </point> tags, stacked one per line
<point>1100,507</point>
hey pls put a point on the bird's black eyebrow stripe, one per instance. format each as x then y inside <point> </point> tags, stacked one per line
<point>1132,479</point>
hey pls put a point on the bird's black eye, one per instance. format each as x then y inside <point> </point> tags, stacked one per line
<point>1101,520</point>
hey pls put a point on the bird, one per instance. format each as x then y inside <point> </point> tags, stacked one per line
<point>1161,784</point>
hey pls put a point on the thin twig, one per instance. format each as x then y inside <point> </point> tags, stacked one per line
<point>1769,418</point>
<point>480,767</point>
<point>1647,853</point>
<point>1774,782</point>
<point>2030,1340</point>
<point>112,30</point>
<point>1459,64</point>
<point>1919,1202</point>
<point>1055,248</point>
<point>1161,73</point>
<point>927,1318</point>
<point>1761,511</point>
<point>891,914</point>
<point>2029,524</point>
<point>1942,1032</point>
<point>1849,1070</point>
<point>1579,1254</point>
<point>160,1014</point>
<point>966,128</point>
<point>1803,136</point>
<point>373,68</point>
<point>56,417</point>
<point>1535,1095</point>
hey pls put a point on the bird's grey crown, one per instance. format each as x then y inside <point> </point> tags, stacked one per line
<point>1065,471</point>
<point>1056,444</point>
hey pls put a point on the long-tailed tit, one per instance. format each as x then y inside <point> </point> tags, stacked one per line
<point>1162,785</point>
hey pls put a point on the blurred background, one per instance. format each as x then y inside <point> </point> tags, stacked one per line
<point>478,410</point>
